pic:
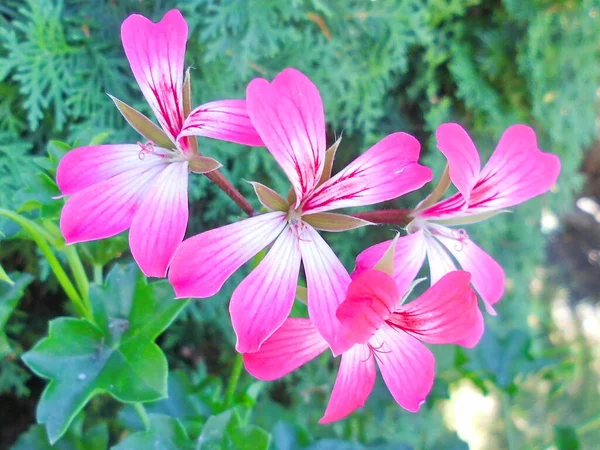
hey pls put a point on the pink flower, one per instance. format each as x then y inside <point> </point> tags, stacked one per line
<point>144,186</point>
<point>380,328</point>
<point>517,171</point>
<point>288,115</point>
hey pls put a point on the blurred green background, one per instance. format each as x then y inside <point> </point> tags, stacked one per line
<point>381,66</point>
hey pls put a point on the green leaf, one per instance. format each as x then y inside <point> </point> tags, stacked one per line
<point>4,276</point>
<point>164,433</point>
<point>96,438</point>
<point>226,432</point>
<point>116,355</point>
<point>565,438</point>
<point>10,294</point>
<point>287,436</point>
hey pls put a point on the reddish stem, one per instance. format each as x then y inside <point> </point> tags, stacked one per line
<point>391,216</point>
<point>225,185</point>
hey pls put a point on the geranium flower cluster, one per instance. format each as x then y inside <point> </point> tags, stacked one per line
<point>364,316</point>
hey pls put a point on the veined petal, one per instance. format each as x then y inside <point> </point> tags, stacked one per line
<point>463,158</point>
<point>107,208</point>
<point>440,262</point>
<point>327,282</point>
<point>487,275</point>
<point>353,385</point>
<point>205,261</point>
<point>409,257</point>
<point>516,171</point>
<point>406,365</point>
<point>474,335</point>
<point>288,115</point>
<point>370,300</point>
<point>295,343</point>
<point>226,120</point>
<point>159,224</point>
<point>262,302</point>
<point>446,313</point>
<point>156,54</point>
<point>85,166</point>
<point>386,171</point>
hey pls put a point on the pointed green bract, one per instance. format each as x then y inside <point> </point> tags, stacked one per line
<point>143,125</point>
<point>187,109</point>
<point>386,263</point>
<point>269,198</point>
<point>164,433</point>
<point>116,354</point>
<point>438,192</point>
<point>203,164</point>
<point>334,222</point>
<point>329,157</point>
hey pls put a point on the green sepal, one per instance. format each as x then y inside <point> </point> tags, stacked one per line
<point>116,354</point>
<point>164,433</point>
<point>143,125</point>
<point>326,221</point>
<point>328,165</point>
<point>386,263</point>
<point>269,198</point>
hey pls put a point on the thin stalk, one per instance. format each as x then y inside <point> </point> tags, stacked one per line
<point>390,216</point>
<point>98,278</point>
<point>60,274</point>
<point>81,278</point>
<point>511,437</point>
<point>233,381</point>
<point>225,185</point>
<point>590,425</point>
<point>141,412</point>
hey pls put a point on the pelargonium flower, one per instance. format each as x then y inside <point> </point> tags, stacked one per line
<point>288,115</point>
<point>144,186</point>
<point>517,171</point>
<point>383,330</point>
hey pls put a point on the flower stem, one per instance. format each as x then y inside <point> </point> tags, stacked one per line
<point>141,411</point>
<point>98,273</point>
<point>225,185</point>
<point>81,279</point>
<point>511,437</point>
<point>40,239</point>
<point>233,380</point>
<point>391,216</point>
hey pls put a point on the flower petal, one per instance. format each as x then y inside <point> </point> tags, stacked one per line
<point>440,262</point>
<point>205,261</point>
<point>409,256</point>
<point>474,335</point>
<point>327,282</point>
<point>107,208</point>
<point>463,158</point>
<point>371,298</point>
<point>262,302</point>
<point>159,224</point>
<point>487,275</point>
<point>446,313</point>
<point>406,365</point>
<point>353,384</point>
<point>516,172</point>
<point>156,54</point>
<point>226,120</point>
<point>386,171</point>
<point>85,166</point>
<point>288,115</point>
<point>295,343</point>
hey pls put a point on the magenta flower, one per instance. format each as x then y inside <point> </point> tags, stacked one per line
<point>380,328</point>
<point>144,186</point>
<point>517,171</point>
<point>288,115</point>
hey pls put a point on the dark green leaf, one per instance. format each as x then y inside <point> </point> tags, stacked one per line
<point>164,433</point>
<point>565,438</point>
<point>10,294</point>
<point>96,438</point>
<point>116,355</point>
<point>226,432</point>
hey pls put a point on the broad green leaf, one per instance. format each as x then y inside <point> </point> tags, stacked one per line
<point>143,125</point>
<point>95,438</point>
<point>286,436</point>
<point>104,251</point>
<point>226,432</point>
<point>565,438</point>
<point>116,355</point>
<point>164,433</point>
<point>10,295</point>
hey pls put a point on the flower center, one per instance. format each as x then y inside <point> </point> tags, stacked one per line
<point>150,149</point>
<point>294,219</point>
